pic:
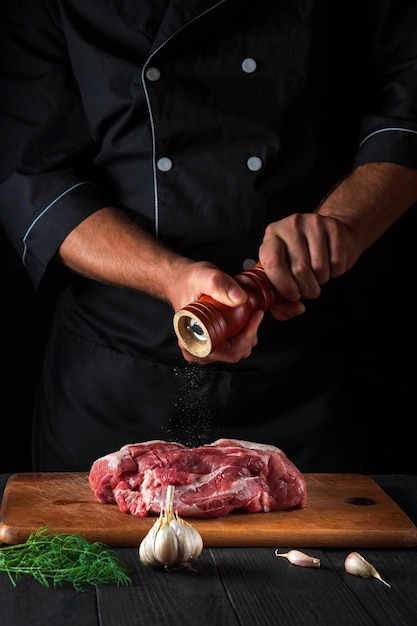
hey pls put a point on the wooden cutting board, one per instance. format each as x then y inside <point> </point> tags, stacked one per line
<point>343,510</point>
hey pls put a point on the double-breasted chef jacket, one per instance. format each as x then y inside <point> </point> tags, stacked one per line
<point>205,121</point>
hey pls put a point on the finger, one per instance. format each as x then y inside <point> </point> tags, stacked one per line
<point>286,310</point>
<point>240,347</point>
<point>274,260</point>
<point>337,242</point>
<point>223,288</point>
<point>300,263</point>
<point>286,255</point>
<point>318,244</point>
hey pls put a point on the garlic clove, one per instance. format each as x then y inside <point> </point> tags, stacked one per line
<point>146,555</point>
<point>165,546</point>
<point>190,541</point>
<point>296,557</point>
<point>357,565</point>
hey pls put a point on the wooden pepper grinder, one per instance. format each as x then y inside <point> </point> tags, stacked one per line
<point>205,324</point>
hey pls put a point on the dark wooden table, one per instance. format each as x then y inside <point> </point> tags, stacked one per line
<point>235,587</point>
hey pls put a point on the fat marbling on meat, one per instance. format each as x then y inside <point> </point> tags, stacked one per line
<point>210,480</point>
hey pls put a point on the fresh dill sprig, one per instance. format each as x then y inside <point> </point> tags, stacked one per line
<point>54,559</point>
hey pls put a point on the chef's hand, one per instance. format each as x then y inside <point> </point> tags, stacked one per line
<point>300,253</point>
<point>201,278</point>
<point>303,251</point>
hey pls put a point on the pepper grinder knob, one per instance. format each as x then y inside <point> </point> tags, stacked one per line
<point>203,325</point>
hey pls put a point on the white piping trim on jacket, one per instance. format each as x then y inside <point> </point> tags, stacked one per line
<point>44,211</point>
<point>151,118</point>
<point>385,130</point>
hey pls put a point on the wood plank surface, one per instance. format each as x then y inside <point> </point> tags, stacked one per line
<point>343,510</point>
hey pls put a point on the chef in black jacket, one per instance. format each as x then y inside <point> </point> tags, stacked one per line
<point>150,152</point>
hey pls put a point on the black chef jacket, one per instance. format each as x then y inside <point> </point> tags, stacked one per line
<point>204,121</point>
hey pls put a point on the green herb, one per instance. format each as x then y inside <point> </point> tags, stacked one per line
<point>53,559</point>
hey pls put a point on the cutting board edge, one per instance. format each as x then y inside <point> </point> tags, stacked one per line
<point>404,536</point>
<point>11,536</point>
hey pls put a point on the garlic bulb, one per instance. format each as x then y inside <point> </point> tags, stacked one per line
<point>296,557</point>
<point>356,564</point>
<point>171,541</point>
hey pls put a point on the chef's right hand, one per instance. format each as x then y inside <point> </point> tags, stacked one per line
<point>196,279</point>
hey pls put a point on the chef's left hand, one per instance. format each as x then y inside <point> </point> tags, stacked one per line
<point>300,253</point>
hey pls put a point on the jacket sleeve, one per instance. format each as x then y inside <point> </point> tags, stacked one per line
<point>386,94</point>
<point>43,196</point>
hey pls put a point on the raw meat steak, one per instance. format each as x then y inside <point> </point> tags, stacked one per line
<point>209,481</point>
